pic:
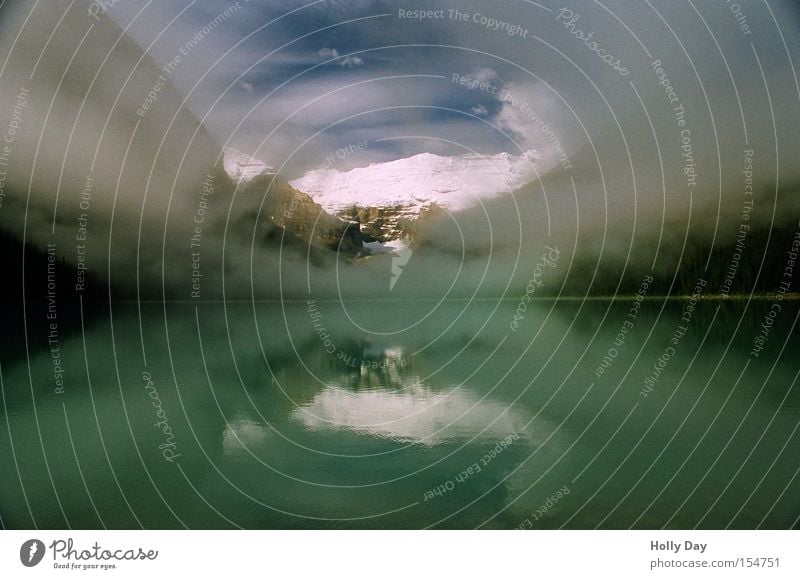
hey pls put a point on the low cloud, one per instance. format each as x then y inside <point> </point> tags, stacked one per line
<point>327,53</point>
<point>479,110</point>
<point>351,61</point>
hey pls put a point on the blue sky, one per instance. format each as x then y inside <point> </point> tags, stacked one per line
<point>293,81</point>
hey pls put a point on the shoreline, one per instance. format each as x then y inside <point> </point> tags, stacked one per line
<point>625,297</point>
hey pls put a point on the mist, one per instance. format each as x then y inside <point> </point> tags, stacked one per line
<point>114,148</point>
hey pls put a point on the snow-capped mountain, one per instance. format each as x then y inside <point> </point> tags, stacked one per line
<point>242,167</point>
<point>388,200</point>
<point>419,181</point>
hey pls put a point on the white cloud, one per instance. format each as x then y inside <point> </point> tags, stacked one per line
<point>480,111</point>
<point>351,61</point>
<point>485,75</point>
<point>347,61</point>
<point>328,53</point>
<point>528,114</point>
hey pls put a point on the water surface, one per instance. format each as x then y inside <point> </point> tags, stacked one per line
<point>403,415</point>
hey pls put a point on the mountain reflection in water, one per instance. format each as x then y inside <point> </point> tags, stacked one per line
<point>455,423</point>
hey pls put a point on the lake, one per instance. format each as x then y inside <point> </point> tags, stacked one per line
<point>579,414</point>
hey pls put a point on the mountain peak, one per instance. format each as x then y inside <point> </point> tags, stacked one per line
<point>424,179</point>
<point>242,167</point>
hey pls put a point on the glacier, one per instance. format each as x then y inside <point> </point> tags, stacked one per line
<point>426,179</point>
